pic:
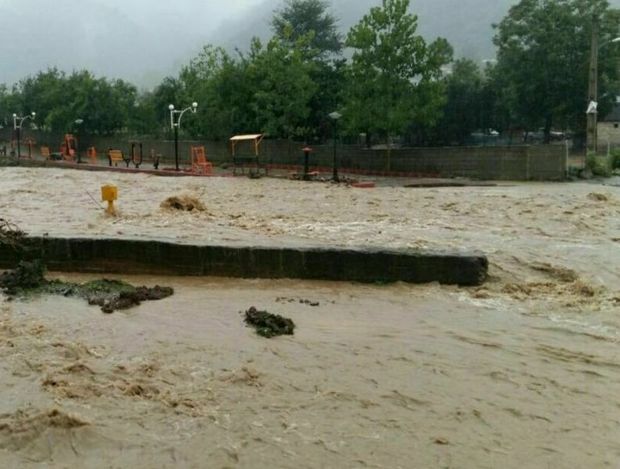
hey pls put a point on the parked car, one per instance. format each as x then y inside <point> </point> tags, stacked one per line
<point>539,136</point>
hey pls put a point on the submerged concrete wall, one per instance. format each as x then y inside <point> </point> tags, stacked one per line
<point>161,258</point>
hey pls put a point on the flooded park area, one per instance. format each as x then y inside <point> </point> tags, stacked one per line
<point>523,371</point>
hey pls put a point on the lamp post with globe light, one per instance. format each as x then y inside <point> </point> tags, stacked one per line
<point>175,124</point>
<point>77,123</point>
<point>18,122</point>
<point>335,117</point>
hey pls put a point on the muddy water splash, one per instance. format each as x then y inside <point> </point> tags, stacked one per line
<point>385,376</point>
<point>521,373</point>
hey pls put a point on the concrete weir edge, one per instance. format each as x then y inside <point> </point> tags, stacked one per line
<point>151,257</point>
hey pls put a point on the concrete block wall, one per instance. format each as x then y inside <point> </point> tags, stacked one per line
<point>609,133</point>
<point>547,162</point>
<point>148,257</point>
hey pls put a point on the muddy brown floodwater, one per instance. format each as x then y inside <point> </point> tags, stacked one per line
<point>521,373</point>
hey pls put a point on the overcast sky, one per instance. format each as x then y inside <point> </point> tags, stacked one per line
<point>141,40</point>
<point>145,40</point>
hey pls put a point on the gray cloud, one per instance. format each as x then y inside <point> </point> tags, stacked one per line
<point>140,40</point>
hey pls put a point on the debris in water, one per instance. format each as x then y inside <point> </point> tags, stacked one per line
<point>10,234</point>
<point>598,197</point>
<point>561,274</point>
<point>183,203</point>
<point>112,295</point>
<point>269,325</point>
<point>27,276</point>
<point>129,299</point>
<point>303,301</point>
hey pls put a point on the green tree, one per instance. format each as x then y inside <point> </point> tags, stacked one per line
<point>269,89</point>
<point>42,93</point>
<point>169,91</point>
<point>311,22</point>
<point>464,111</point>
<point>8,105</point>
<point>220,84</point>
<point>543,56</point>
<point>308,18</point>
<point>281,78</point>
<point>394,76</point>
<point>59,100</point>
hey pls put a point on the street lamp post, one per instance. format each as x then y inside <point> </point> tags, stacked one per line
<point>18,122</point>
<point>335,117</point>
<point>175,124</point>
<point>592,111</point>
<point>78,122</point>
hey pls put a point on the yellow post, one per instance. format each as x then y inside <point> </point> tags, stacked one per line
<point>109,194</point>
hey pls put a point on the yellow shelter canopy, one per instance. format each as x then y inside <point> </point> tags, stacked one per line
<point>255,138</point>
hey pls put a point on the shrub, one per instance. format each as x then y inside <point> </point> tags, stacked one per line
<point>599,165</point>
<point>615,159</point>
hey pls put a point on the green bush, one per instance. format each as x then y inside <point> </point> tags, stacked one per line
<point>599,165</point>
<point>615,159</point>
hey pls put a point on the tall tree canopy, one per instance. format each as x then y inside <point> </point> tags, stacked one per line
<point>105,106</point>
<point>311,22</point>
<point>465,110</point>
<point>543,59</point>
<point>301,18</point>
<point>394,76</point>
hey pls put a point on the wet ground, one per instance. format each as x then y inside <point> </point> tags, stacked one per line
<point>521,373</point>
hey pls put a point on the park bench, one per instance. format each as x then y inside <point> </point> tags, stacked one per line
<point>116,156</point>
<point>200,165</point>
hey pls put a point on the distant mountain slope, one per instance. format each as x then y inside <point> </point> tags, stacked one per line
<point>467,24</point>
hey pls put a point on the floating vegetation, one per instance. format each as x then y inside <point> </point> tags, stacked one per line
<point>27,276</point>
<point>184,203</point>
<point>111,295</point>
<point>127,297</point>
<point>11,234</point>
<point>268,325</point>
<point>28,279</point>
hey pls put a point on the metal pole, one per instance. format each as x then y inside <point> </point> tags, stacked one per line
<point>306,151</point>
<point>77,147</point>
<point>19,148</point>
<point>176,145</point>
<point>592,132</point>
<point>335,165</point>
